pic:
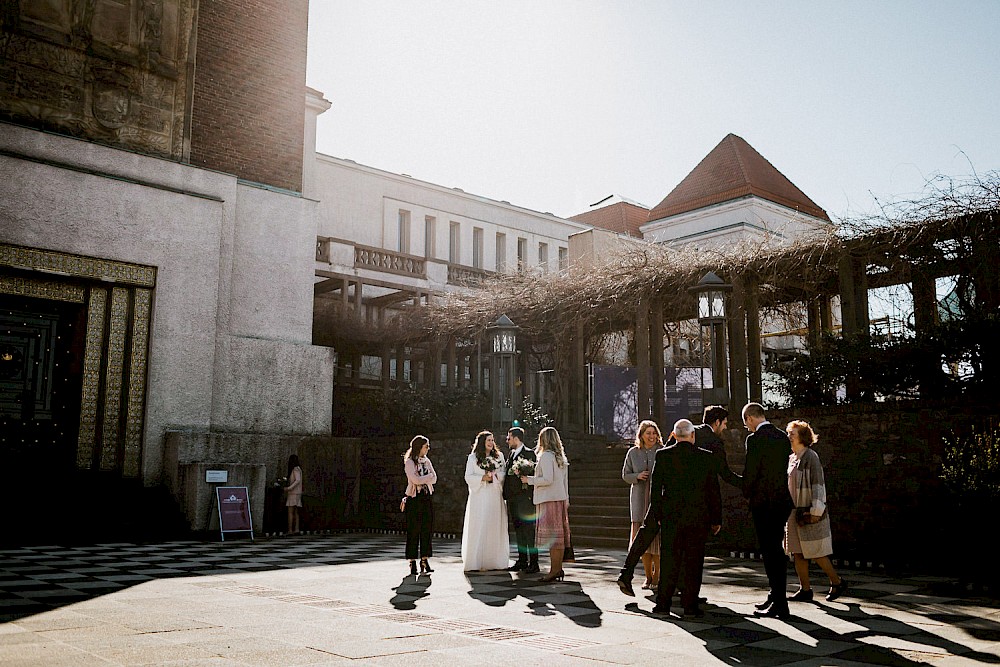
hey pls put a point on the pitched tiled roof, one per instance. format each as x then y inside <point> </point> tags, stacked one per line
<point>622,217</point>
<point>734,169</point>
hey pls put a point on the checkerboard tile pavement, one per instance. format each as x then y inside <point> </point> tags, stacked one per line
<point>883,620</point>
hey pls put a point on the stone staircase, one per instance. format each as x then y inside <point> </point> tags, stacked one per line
<point>598,511</point>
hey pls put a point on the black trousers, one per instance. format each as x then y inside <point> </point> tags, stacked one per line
<point>419,522</point>
<point>682,554</point>
<point>643,539</point>
<point>522,514</point>
<point>769,522</point>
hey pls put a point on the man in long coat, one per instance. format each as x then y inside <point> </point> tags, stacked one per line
<point>685,494</point>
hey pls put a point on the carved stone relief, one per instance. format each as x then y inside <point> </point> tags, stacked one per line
<point>114,71</point>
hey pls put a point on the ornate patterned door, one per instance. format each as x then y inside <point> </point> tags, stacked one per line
<point>74,335</point>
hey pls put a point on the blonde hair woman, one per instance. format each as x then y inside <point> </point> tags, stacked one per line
<point>551,484</point>
<point>636,470</point>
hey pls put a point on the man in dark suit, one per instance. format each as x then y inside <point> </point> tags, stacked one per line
<point>765,486</point>
<point>685,494</point>
<point>707,436</point>
<point>520,504</point>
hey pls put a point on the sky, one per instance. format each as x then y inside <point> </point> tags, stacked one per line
<point>555,104</point>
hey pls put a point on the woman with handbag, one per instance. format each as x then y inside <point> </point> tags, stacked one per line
<point>807,535</point>
<point>420,481</point>
<point>551,482</point>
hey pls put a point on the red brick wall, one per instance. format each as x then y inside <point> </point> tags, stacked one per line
<point>249,89</point>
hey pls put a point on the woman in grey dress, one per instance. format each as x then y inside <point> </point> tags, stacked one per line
<point>636,470</point>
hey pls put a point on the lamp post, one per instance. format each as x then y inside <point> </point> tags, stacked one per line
<point>502,337</point>
<point>711,291</point>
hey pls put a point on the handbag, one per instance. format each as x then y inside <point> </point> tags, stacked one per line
<point>568,555</point>
<point>402,504</point>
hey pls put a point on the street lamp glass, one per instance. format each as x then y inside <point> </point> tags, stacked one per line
<point>718,304</point>
<point>703,311</point>
<point>505,341</point>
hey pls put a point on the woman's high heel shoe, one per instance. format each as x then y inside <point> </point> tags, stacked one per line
<point>802,595</point>
<point>413,567</point>
<point>836,590</point>
<point>425,566</point>
<point>558,576</point>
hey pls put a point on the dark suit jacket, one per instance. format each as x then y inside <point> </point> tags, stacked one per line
<point>765,478</point>
<point>684,487</point>
<point>512,484</point>
<point>706,438</point>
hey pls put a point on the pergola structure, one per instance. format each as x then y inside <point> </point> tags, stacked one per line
<point>644,289</point>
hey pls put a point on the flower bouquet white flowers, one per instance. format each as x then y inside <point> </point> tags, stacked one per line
<point>523,468</point>
<point>489,464</point>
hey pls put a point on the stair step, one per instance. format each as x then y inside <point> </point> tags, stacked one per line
<point>600,542</point>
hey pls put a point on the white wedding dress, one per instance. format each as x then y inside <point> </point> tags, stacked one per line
<point>484,536</point>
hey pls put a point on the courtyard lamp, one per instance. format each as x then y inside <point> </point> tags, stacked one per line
<point>711,292</point>
<point>502,343</point>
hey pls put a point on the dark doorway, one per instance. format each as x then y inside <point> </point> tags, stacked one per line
<point>41,352</point>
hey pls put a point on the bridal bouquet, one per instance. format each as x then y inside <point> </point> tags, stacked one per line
<point>523,468</point>
<point>489,464</point>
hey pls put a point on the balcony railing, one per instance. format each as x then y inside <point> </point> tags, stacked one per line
<point>387,261</point>
<point>466,275</point>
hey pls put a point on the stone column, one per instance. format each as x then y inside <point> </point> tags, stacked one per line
<point>825,314</point>
<point>386,366</point>
<point>641,336</point>
<point>451,364</point>
<point>434,367</point>
<point>582,393</point>
<point>754,370</point>
<point>925,316</point>
<point>848,306</point>
<point>813,321</point>
<point>656,358</point>
<point>737,346</point>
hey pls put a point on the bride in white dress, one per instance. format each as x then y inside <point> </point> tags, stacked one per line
<point>484,537</point>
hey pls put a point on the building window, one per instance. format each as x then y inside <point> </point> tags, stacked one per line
<point>404,231</point>
<point>563,259</point>
<point>454,243</point>
<point>543,256</point>
<point>477,247</point>
<point>430,224</point>
<point>522,253</point>
<point>501,252</point>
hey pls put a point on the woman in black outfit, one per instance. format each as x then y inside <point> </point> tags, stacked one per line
<point>420,481</point>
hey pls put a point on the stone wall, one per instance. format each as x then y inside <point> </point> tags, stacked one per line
<point>882,464</point>
<point>229,338</point>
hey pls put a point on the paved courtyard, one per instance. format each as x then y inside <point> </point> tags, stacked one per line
<point>346,599</point>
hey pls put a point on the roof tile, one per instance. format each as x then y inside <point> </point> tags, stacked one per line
<point>732,170</point>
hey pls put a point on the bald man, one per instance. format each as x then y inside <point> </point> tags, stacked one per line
<point>688,505</point>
